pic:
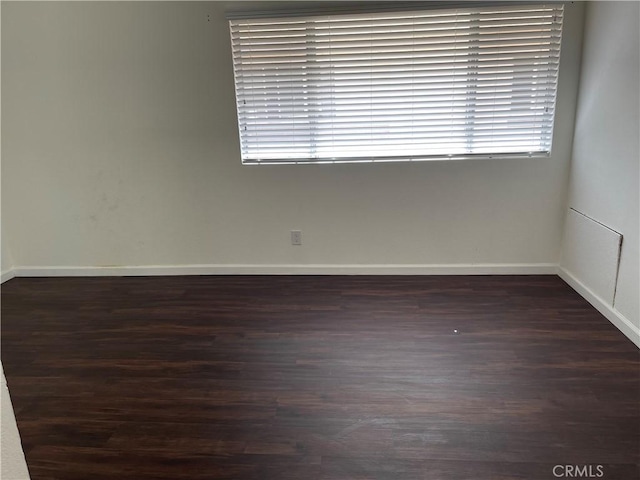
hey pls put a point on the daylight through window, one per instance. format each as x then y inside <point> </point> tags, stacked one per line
<point>433,84</point>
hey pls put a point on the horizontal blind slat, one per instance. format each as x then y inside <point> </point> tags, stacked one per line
<point>407,100</point>
<point>424,83</point>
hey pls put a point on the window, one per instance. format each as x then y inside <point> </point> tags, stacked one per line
<point>434,84</point>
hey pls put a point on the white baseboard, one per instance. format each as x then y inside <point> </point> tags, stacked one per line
<point>614,316</point>
<point>621,322</point>
<point>153,270</point>
<point>7,275</point>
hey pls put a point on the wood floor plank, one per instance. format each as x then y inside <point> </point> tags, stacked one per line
<point>317,378</point>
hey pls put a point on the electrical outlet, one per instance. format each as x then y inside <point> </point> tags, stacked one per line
<point>296,237</point>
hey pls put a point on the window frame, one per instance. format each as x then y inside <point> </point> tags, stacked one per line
<point>469,123</point>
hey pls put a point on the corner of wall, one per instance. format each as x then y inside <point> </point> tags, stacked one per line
<point>580,20</point>
<point>621,322</point>
<point>6,272</point>
<point>603,171</point>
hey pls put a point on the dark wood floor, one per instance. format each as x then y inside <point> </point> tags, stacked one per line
<point>313,378</point>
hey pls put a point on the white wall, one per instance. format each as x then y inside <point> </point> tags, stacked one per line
<point>120,148</point>
<point>605,166</point>
<point>5,259</point>
<point>6,256</point>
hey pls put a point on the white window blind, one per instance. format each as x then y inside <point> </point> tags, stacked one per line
<point>397,86</point>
